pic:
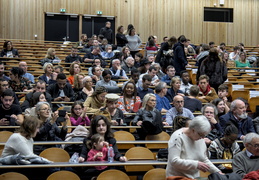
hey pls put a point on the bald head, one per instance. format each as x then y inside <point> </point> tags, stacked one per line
<point>23,65</point>
<point>178,103</point>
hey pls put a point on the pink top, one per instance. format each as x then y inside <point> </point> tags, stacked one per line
<point>80,121</point>
<point>93,152</point>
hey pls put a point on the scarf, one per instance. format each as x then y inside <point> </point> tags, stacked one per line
<point>206,91</point>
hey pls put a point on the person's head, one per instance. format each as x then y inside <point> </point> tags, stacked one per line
<point>230,134</point>
<point>8,45</point>
<point>116,63</point>
<point>184,41</point>
<point>130,26</point>
<point>61,80</point>
<point>132,32</point>
<point>138,57</point>
<point>157,66</point>
<point>130,89</point>
<point>7,99</point>
<point>48,68</point>
<point>96,70</point>
<point>120,29</point>
<point>87,82</point>
<point>97,141</point>
<point>78,81</point>
<point>43,110</point>
<point>242,56</point>
<point>77,109</point>
<point>151,58</point>
<point>220,104</point>
<point>95,43</point>
<point>37,97</point>
<point>96,50</point>
<point>211,44</point>
<point>94,37</point>
<point>205,47</point>
<point>199,127</point>
<point>152,71</point>
<point>185,76</point>
<point>203,82</point>
<point>3,85</point>
<point>30,127</point>
<point>147,64</point>
<point>125,50</point>
<point>97,62</point>
<point>100,125</point>
<point>225,56</point>
<point>151,43</point>
<point>149,101</point>
<point>112,101</point>
<point>222,91</point>
<point>251,143</point>
<point>161,88</point>
<point>170,71</point>
<point>58,69</point>
<point>108,24</point>
<point>236,48</point>
<point>100,38</point>
<point>74,51</point>
<point>209,111</point>
<point>100,93</point>
<point>51,53</point>
<point>172,40</point>
<point>135,75</point>
<point>213,53</point>
<point>146,81</point>
<point>16,73</point>
<point>130,61</point>
<point>40,86</point>
<point>194,91</point>
<point>108,47</point>
<point>178,103</point>
<point>23,65</point>
<point>74,68</point>
<point>107,75</point>
<point>1,68</point>
<point>175,83</point>
<point>238,108</point>
<point>222,45</point>
<point>165,39</point>
<point>84,37</point>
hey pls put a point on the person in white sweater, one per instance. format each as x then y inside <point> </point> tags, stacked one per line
<point>134,42</point>
<point>187,150</point>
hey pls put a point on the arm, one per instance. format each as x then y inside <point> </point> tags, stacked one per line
<point>87,105</point>
<point>238,165</point>
<point>92,156</point>
<point>138,117</point>
<point>117,154</point>
<point>84,150</point>
<point>169,118</point>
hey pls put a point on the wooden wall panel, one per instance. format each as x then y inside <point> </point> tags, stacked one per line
<point>21,19</point>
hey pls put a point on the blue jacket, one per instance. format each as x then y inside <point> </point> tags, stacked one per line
<point>180,60</point>
<point>245,126</point>
<point>171,94</point>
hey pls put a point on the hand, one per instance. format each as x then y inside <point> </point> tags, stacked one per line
<point>14,116</point>
<point>213,120</point>
<point>119,67</point>
<point>207,141</point>
<point>203,167</point>
<point>81,159</point>
<point>123,159</point>
<point>99,154</point>
<point>225,99</point>
<point>221,173</point>
<point>54,75</point>
<point>105,144</point>
<point>58,99</point>
<point>54,117</point>
<point>202,97</point>
<point>114,123</point>
<point>66,99</point>
<point>165,123</point>
<point>4,122</point>
<point>139,123</point>
<point>94,77</point>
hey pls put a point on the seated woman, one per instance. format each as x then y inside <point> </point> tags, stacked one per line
<point>87,90</point>
<point>50,57</point>
<point>49,130</point>
<point>36,97</point>
<point>106,82</point>
<point>78,85</point>
<point>138,59</point>
<point>96,101</point>
<point>148,117</point>
<point>126,53</point>
<point>175,89</point>
<point>9,51</point>
<point>17,82</point>
<point>151,47</point>
<point>242,62</point>
<point>78,115</point>
<point>221,107</point>
<point>128,99</point>
<point>225,147</point>
<point>48,73</point>
<point>97,74</point>
<point>73,70</point>
<point>187,150</point>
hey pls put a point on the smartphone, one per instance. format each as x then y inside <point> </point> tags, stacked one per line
<point>61,115</point>
<point>118,121</point>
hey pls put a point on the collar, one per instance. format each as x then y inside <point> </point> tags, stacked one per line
<point>248,153</point>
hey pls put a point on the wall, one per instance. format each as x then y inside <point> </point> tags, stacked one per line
<point>21,19</point>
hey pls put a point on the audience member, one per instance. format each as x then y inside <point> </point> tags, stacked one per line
<point>211,44</point>
<point>223,93</point>
<point>23,65</point>
<point>202,55</point>
<point>9,51</point>
<point>162,103</point>
<point>96,62</point>
<point>144,89</point>
<point>125,53</point>
<point>221,106</point>
<point>94,54</point>
<point>74,69</point>
<point>144,66</point>
<point>106,82</point>
<point>238,116</point>
<point>58,69</point>
<point>152,71</point>
<point>117,71</point>
<point>4,86</point>
<point>177,110</point>
<point>134,42</point>
<point>2,75</point>
<point>185,85</point>
<point>235,55</point>
<point>48,75</point>
<point>175,89</point>
<point>87,89</point>
<point>50,57</point>
<point>160,73</point>
<point>129,65</point>
<point>121,38</point>
<point>138,59</point>
<point>107,32</point>
<point>78,115</point>
<point>83,40</point>
<point>73,57</point>
<point>165,39</point>
<point>134,76</point>
<point>242,61</point>
<point>78,85</point>
<point>97,74</point>
<point>108,53</point>
<point>206,93</point>
<point>191,102</point>
<point>170,73</point>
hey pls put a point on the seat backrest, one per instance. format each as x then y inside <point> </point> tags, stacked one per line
<point>4,135</point>
<point>113,174</point>
<point>55,155</point>
<point>124,136</point>
<point>155,174</point>
<point>240,93</point>
<point>253,102</point>
<point>64,175</point>
<point>13,176</point>
<point>163,136</point>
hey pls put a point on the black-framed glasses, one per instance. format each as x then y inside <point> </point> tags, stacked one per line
<point>254,145</point>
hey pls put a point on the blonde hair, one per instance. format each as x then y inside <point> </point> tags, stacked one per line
<point>49,55</point>
<point>76,80</point>
<point>146,98</point>
<point>46,65</point>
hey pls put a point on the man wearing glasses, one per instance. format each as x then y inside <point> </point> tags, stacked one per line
<point>248,160</point>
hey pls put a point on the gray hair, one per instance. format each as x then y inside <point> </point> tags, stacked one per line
<point>113,61</point>
<point>85,78</point>
<point>200,124</point>
<point>107,46</point>
<point>249,137</point>
<point>128,59</point>
<point>209,105</point>
<point>39,105</point>
<point>233,105</point>
<point>46,65</point>
<point>146,98</point>
<point>160,86</point>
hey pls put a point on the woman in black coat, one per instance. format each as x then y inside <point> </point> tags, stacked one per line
<point>9,51</point>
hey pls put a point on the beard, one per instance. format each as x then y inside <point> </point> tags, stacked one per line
<point>242,116</point>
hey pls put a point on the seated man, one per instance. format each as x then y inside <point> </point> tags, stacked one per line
<point>134,76</point>
<point>163,104</point>
<point>23,65</point>
<point>170,72</point>
<point>191,102</point>
<point>129,65</point>
<point>4,86</point>
<point>247,161</point>
<point>73,57</point>
<point>207,93</point>
<point>152,71</point>
<point>117,71</point>
<point>94,54</point>
<point>223,93</point>
<point>2,75</point>
<point>177,110</point>
<point>11,114</point>
<point>40,86</point>
<point>144,89</point>
<point>61,91</point>
<point>238,116</point>
<point>58,69</point>
<point>108,53</point>
<point>185,85</point>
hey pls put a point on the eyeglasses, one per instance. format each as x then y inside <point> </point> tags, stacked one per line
<point>48,110</point>
<point>179,102</point>
<point>209,112</point>
<point>254,145</point>
<point>5,85</point>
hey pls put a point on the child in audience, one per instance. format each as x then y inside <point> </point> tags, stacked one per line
<point>78,116</point>
<point>99,151</point>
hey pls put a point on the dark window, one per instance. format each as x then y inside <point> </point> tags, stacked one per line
<point>218,14</point>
